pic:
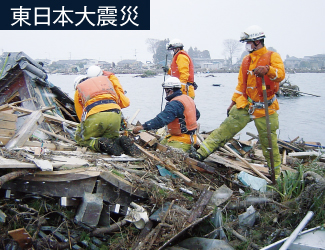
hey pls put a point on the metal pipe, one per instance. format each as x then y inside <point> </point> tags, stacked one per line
<point>270,148</point>
<point>162,95</point>
<point>297,231</point>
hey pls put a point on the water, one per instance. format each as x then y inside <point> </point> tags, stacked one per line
<point>299,116</point>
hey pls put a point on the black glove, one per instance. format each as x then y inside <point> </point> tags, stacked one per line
<point>165,69</point>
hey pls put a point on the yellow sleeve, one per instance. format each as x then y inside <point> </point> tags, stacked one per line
<point>239,88</point>
<point>276,72</point>
<point>123,100</point>
<point>183,64</point>
<point>77,105</point>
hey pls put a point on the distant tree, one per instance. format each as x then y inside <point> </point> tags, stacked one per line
<point>152,45</point>
<point>231,48</point>
<point>195,53</point>
<point>272,49</point>
<point>160,56</point>
<point>205,54</point>
<point>243,55</point>
<point>191,52</point>
<point>113,64</point>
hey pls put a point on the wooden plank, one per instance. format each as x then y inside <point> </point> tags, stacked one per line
<point>228,163</point>
<point>199,205</point>
<point>284,156</point>
<point>4,140</point>
<point>306,155</point>
<point>51,146</point>
<point>200,166</point>
<point>57,136</point>
<point>134,116</point>
<point>7,132</point>
<point>249,165</point>
<point>4,116</point>
<point>75,186</point>
<point>7,125</point>
<point>22,237</point>
<point>122,184</point>
<point>26,130</point>
<point>283,144</point>
<point>13,163</point>
<point>46,116</point>
<point>147,138</point>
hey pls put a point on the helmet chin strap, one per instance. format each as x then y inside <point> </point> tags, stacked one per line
<point>176,50</point>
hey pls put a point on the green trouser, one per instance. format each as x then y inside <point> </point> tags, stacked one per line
<point>176,144</point>
<point>237,120</point>
<point>102,124</point>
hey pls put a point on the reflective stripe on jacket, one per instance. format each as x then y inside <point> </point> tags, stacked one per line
<point>174,128</point>
<point>276,73</point>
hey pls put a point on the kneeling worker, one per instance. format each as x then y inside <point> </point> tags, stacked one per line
<point>180,114</point>
<point>98,103</point>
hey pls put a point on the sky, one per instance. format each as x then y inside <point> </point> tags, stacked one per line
<point>292,27</point>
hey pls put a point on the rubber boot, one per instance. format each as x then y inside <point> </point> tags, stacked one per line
<point>128,146</point>
<point>110,146</point>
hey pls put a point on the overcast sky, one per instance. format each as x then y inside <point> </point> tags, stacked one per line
<point>292,27</point>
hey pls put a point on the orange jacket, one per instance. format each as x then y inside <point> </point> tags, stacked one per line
<point>276,73</point>
<point>116,94</point>
<point>182,67</point>
<point>174,127</point>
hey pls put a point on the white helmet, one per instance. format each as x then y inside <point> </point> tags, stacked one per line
<point>78,80</point>
<point>172,83</point>
<point>94,71</point>
<point>252,33</point>
<point>175,43</point>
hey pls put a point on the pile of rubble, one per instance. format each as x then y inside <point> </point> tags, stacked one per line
<point>56,195</point>
<point>61,196</point>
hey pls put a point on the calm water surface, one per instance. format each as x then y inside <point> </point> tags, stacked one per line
<point>302,116</point>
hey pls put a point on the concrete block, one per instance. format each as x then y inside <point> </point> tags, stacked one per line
<point>90,209</point>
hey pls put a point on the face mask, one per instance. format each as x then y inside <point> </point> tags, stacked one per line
<point>248,47</point>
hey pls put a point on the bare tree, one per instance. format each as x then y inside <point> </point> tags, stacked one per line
<point>152,45</point>
<point>232,48</point>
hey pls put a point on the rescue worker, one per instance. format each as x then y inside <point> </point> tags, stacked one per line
<point>182,67</point>
<point>180,116</point>
<point>98,102</point>
<point>247,102</point>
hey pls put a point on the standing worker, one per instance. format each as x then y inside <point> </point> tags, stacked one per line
<point>98,103</point>
<point>182,67</point>
<point>247,101</point>
<point>180,116</point>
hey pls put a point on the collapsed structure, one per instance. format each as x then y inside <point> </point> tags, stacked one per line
<point>164,193</point>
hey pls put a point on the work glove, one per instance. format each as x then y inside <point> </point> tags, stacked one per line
<point>136,129</point>
<point>195,155</point>
<point>165,69</point>
<point>260,71</point>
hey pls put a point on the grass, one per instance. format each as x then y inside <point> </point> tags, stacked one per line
<point>290,184</point>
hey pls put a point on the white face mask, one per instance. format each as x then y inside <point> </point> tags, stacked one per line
<point>248,47</point>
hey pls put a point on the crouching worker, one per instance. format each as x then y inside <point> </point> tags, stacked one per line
<point>98,102</point>
<point>180,116</point>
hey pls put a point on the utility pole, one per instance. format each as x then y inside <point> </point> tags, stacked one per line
<point>135,54</point>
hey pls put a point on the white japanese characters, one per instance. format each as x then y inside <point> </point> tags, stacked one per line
<point>103,16</point>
